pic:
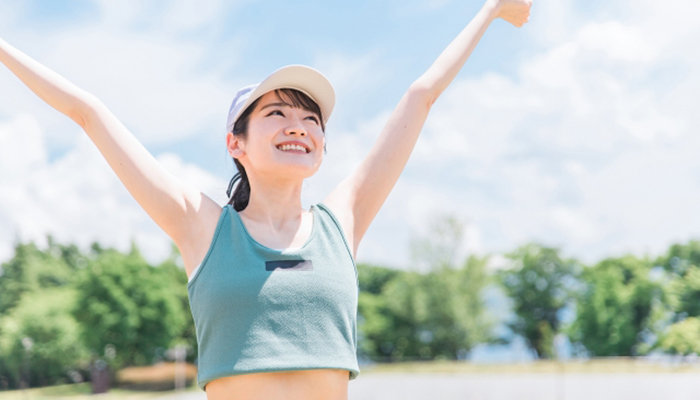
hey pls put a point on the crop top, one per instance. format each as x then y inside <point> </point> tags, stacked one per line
<point>258,309</point>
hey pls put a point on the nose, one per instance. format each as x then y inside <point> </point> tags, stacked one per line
<point>295,127</point>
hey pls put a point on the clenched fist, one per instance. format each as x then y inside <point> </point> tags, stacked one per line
<point>517,12</point>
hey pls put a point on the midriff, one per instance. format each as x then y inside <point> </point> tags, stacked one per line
<point>316,384</point>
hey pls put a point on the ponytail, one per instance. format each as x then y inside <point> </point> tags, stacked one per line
<point>241,195</point>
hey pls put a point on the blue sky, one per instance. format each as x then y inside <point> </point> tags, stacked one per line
<point>575,130</point>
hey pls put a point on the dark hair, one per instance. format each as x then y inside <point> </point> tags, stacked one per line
<point>293,98</point>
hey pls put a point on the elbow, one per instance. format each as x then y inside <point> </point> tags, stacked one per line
<point>82,112</point>
<point>424,93</point>
<point>78,116</point>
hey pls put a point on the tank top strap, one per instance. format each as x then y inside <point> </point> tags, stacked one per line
<point>330,226</point>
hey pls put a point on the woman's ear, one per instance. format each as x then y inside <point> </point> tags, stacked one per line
<point>235,145</point>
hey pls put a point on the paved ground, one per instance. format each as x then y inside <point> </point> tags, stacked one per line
<point>678,386</point>
<point>526,386</point>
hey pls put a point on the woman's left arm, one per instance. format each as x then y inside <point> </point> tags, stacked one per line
<point>358,198</point>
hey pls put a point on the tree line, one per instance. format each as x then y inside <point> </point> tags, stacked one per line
<point>62,309</point>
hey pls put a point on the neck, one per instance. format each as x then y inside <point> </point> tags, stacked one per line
<point>274,201</point>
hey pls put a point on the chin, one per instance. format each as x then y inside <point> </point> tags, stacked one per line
<point>296,171</point>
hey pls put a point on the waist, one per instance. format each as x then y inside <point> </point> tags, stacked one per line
<point>312,384</point>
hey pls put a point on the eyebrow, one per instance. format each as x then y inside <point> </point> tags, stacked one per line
<point>278,104</point>
<point>281,104</point>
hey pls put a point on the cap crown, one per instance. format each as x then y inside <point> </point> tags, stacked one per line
<point>300,77</point>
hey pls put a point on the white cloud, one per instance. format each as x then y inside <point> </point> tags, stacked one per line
<point>194,176</point>
<point>146,64</point>
<point>76,197</point>
<point>618,41</point>
<point>145,80</point>
<point>582,149</point>
<point>577,227</point>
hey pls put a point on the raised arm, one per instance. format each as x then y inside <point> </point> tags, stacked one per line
<point>358,198</point>
<point>168,201</point>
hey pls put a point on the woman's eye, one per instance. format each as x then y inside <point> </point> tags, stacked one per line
<point>313,118</point>
<point>276,111</point>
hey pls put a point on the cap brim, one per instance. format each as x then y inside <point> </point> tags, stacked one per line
<point>300,77</point>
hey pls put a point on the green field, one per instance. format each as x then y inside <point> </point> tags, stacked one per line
<point>80,390</point>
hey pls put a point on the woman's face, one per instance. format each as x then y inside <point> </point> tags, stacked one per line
<point>282,140</point>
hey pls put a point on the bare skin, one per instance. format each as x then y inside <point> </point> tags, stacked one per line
<point>321,384</point>
<point>274,216</point>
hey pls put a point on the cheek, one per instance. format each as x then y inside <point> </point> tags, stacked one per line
<point>263,127</point>
<point>260,134</point>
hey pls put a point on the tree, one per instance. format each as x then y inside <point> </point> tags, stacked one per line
<point>174,273</point>
<point>440,246</point>
<point>435,314</point>
<point>682,262</point>
<point>36,297</point>
<point>683,337</point>
<point>74,306</point>
<point>455,320</point>
<point>615,308</point>
<point>680,257</point>
<point>32,269</point>
<point>44,318</point>
<point>539,285</point>
<point>125,302</point>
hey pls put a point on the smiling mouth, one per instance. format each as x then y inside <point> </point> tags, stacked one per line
<point>294,148</point>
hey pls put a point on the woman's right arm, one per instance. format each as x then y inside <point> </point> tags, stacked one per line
<point>176,207</point>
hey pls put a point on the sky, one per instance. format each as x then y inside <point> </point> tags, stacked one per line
<point>576,130</point>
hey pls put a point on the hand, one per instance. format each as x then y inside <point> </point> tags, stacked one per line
<point>517,12</point>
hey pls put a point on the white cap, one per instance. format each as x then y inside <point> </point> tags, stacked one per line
<point>300,77</point>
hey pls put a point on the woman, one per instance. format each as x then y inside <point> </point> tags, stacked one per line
<point>273,287</point>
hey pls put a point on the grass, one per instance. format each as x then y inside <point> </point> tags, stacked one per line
<point>137,383</point>
<point>81,391</point>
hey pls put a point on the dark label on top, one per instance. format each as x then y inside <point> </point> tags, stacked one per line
<point>289,265</point>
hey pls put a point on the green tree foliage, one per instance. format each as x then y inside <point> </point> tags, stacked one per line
<point>436,314</point>
<point>616,306</point>
<point>682,262</point>
<point>686,293</point>
<point>36,299</point>
<point>44,317</point>
<point>683,337</point>
<point>31,270</point>
<point>176,274</point>
<point>125,302</point>
<point>455,318</point>
<point>409,315</point>
<point>680,257</point>
<point>73,305</point>
<point>373,278</point>
<point>539,285</point>
<point>390,319</point>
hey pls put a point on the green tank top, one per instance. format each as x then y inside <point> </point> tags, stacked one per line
<point>258,309</point>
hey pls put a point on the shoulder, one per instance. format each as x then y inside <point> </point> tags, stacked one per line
<point>202,228</point>
<point>343,217</point>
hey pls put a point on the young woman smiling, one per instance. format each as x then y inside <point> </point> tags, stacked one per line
<point>273,287</point>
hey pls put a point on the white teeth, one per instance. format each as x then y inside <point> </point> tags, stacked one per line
<point>286,147</point>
